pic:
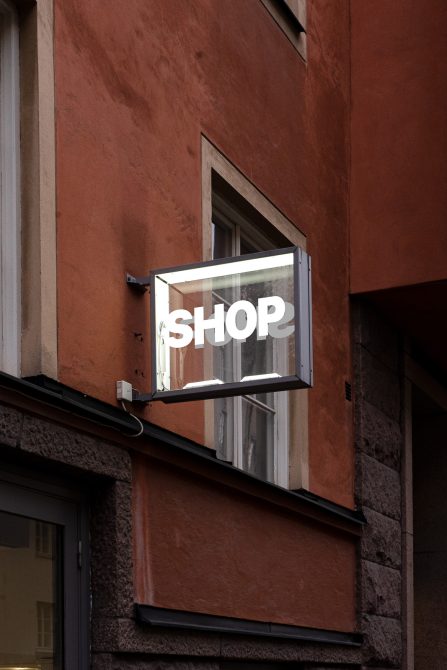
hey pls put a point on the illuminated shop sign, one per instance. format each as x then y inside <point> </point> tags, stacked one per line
<point>231,327</point>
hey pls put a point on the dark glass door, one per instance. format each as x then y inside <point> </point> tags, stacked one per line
<point>43,584</point>
<point>31,634</point>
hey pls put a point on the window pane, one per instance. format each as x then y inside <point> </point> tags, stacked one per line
<point>30,594</point>
<point>224,428</point>
<point>237,419</point>
<point>257,440</point>
<point>222,241</point>
<point>267,399</point>
<point>248,248</point>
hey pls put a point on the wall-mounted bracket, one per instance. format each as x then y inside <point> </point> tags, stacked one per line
<point>126,392</point>
<point>142,398</point>
<point>140,284</point>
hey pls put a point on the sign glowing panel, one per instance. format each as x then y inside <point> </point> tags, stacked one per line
<point>231,327</point>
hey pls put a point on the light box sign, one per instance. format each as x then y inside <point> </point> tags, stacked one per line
<point>232,327</point>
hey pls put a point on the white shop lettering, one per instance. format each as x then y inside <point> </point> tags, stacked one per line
<point>239,322</point>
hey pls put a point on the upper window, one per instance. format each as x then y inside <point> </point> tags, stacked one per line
<point>290,15</point>
<point>9,198</point>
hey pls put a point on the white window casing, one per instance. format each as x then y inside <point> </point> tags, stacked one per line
<point>291,465</point>
<point>235,448</point>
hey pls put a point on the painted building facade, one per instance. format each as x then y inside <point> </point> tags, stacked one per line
<point>298,527</point>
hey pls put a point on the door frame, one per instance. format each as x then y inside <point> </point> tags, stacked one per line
<point>414,375</point>
<point>54,501</point>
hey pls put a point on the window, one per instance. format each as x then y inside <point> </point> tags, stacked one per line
<point>9,198</point>
<point>264,434</point>
<point>297,9</point>
<point>290,15</point>
<point>45,626</point>
<point>250,430</point>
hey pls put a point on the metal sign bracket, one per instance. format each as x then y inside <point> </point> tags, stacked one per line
<point>139,284</point>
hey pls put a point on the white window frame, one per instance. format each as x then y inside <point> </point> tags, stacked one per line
<point>299,10</point>
<point>10,268</point>
<point>296,452</point>
<point>239,227</point>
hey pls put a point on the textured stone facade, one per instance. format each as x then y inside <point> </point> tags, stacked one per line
<point>103,469</point>
<point>379,444</point>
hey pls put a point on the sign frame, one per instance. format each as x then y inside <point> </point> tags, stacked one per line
<point>303,374</point>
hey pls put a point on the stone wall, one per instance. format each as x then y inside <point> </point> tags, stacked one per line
<point>103,469</point>
<point>379,444</point>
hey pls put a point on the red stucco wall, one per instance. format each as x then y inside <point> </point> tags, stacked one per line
<point>221,551</point>
<point>399,143</point>
<point>136,85</point>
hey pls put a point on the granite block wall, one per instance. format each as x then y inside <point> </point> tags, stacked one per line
<point>378,402</point>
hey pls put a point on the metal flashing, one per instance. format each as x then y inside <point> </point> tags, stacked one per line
<point>159,616</point>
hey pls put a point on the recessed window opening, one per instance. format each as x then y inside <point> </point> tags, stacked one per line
<point>264,434</point>
<point>250,430</point>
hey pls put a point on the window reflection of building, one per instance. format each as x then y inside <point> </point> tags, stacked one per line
<point>44,537</point>
<point>29,566</point>
<point>45,626</point>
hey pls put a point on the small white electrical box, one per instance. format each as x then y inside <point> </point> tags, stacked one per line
<point>124,391</point>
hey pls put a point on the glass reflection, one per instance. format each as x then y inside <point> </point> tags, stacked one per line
<point>258,424</point>
<point>196,318</point>
<point>30,621</point>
